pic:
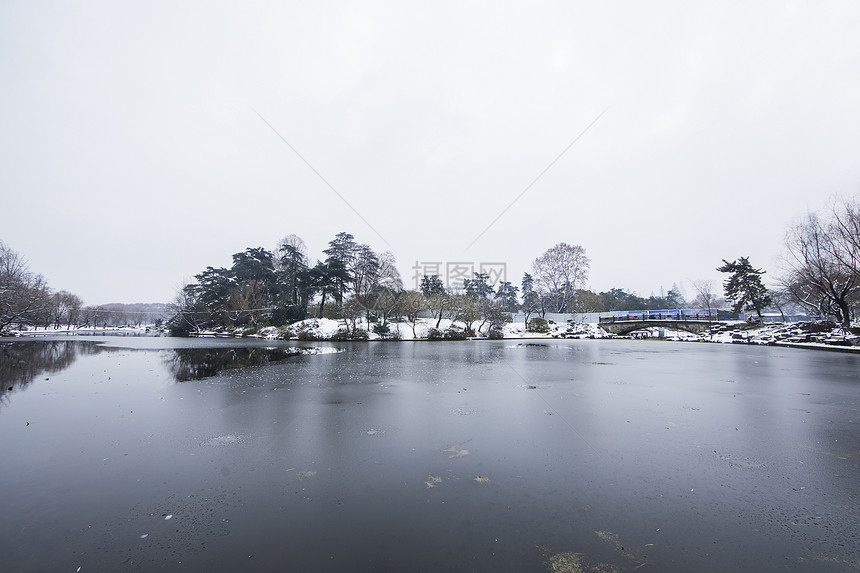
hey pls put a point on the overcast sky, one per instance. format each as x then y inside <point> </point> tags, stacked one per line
<point>132,154</point>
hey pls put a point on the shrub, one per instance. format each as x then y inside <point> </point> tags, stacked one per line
<point>538,325</point>
<point>341,334</point>
<point>393,335</point>
<point>495,334</point>
<point>381,329</point>
<point>178,328</point>
<point>385,332</point>
<point>455,334</point>
<point>344,334</point>
<point>434,334</point>
<point>307,335</point>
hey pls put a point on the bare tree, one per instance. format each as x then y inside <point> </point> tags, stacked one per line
<point>24,296</point>
<point>389,276</point>
<point>465,309</point>
<point>782,300</point>
<point>189,313</point>
<point>493,314</point>
<point>247,303</point>
<point>845,231</point>
<point>706,294</point>
<point>559,272</point>
<point>294,245</point>
<point>65,307</point>
<point>412,304</point>
<point>821,273</point>
<point>352,312</point>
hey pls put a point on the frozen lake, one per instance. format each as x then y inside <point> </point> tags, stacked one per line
<point>203,455</point>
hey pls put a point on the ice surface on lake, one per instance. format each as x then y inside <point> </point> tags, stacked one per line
<point>225,440</point>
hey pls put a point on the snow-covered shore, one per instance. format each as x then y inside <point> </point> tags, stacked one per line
<point>811,335</point>
<point>800,334</point>
<point>51,331</point>
<point>424,328</point>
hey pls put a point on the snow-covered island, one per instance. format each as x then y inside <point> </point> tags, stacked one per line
<point>820,334</point>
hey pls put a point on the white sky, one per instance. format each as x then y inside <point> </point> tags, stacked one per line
<point>131,156</point>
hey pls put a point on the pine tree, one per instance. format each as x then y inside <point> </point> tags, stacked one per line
<point>531,298</point>
<point>506,294</point>
<point>342,252</point>
<point>477,287</point>
<point>674,298</point>
<point>432,286</point>
<point>434,290</point>
<point>744,287</point>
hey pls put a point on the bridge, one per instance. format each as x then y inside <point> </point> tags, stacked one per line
<point>626,326</point>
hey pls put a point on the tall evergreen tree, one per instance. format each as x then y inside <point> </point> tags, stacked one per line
<point>477,287</point>
<point>212,290</point>
<point>674,298</point>
<point>329,277</point>
<point>254,264</point>
<point>293,279</point>
<point>434,290</point>
<point>744,287</point>
<point>256,291</point>
<point>432,286</point>
<point>506,295</point>
<point>342,252</point>
<point>531,298</point>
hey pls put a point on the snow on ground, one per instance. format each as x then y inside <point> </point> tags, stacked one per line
<point>328,329</point>
<point>39,331</point>
<point>802,334</point>
<point>807,334</point>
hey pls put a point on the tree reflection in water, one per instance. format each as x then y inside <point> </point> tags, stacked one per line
<point>195,363</point>
<point>22,362</point>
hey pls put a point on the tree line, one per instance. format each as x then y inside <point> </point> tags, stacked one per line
<point>264,287</point>
<point>353,282</point>
<point>26,300</point>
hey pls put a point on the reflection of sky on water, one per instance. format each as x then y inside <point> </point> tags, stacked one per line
<point>699,457</point>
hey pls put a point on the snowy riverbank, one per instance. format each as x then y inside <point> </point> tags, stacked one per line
<point>109,330</point>
<point>799,334</point>
<point>423,329</point>
<point>812,335</point>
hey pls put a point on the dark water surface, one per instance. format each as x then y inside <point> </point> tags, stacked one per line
<point>213,455</point>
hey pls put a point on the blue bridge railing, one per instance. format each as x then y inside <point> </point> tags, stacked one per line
<point>673,314</point>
